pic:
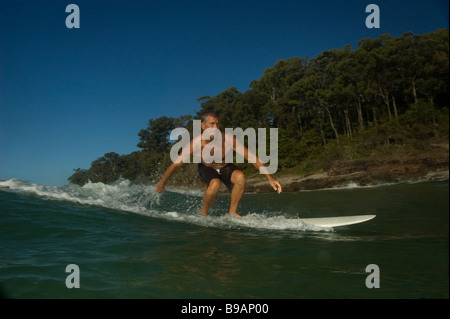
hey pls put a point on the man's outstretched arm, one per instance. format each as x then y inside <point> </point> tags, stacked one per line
<point>169,171</point>
<point>184,157</point>
<point>257,163</point>
<point>272,181</point>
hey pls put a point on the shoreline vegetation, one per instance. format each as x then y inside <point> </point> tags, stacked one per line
<point>373,115</point>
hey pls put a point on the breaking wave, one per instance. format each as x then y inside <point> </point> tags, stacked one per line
<point>174,205</point>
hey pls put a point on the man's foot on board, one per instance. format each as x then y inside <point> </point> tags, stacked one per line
<point>203,213</point>
<point>235,215</point>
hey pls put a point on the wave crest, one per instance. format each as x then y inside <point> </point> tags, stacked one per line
<point>177,206</point>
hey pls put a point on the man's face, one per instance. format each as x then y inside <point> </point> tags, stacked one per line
<point>210,122</point>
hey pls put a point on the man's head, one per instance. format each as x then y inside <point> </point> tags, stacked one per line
<point>210,119</point>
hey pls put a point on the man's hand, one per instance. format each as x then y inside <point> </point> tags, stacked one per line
<point>160,187</point>
<point>275,185</point>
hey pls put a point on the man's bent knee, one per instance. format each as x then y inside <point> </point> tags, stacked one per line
<point>238,177</point>
<point>214,184</point>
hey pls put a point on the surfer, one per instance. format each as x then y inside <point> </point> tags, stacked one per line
<point>215,173</point>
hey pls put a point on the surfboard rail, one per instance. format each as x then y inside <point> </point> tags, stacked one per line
<point>335,221</point>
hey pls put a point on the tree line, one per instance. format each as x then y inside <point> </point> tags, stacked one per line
<point>344,103</point>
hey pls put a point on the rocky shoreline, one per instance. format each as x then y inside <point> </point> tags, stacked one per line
<point>405,168</point>
<point>408,168</point>
<point>340,175</point>
<point>372,176</point>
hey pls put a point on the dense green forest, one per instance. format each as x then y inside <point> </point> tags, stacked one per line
<point>391,93</point>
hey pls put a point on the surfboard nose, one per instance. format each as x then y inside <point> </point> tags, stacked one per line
<point>335,221</point>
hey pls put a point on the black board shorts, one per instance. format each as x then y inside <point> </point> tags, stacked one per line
<point>224,174</point>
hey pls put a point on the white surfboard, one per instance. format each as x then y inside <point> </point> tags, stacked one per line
<point>334,221</point>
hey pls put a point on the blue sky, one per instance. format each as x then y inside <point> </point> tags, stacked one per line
<point>67,96</point>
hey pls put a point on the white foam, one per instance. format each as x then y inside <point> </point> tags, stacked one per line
<point>119,195</point>
<point>144,200</point>
<point>190,192</point>
<point>273,223</point>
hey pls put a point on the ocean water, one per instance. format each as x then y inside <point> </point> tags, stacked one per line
<point>128,241</point>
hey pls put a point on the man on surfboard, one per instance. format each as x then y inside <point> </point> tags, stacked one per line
<point>217,172</point>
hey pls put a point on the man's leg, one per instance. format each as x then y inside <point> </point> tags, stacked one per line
<point>210,195</point>
<point>238,180</point>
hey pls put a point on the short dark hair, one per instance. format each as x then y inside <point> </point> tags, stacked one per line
<point>208,113</point>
